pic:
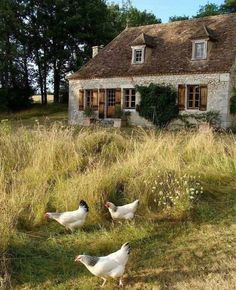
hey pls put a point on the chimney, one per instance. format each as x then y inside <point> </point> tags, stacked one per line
<point>96,49</point>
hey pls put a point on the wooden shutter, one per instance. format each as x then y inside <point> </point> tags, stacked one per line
<point>81,100</point>
<point>95,99</point>
<point>118,96</point>
<point>203,98</point>
<point>181,97</point>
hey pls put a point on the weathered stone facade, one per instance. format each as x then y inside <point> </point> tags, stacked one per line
<point>232,90</point>
<point>219,91</point>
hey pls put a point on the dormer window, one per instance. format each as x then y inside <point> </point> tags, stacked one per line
<point>199,50</point>
<point>138,54</point>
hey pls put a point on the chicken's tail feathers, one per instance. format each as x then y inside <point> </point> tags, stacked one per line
<point>127,247</point>
<point>84,205</point>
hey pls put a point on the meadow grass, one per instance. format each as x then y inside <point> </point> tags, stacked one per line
<point>182,238</point>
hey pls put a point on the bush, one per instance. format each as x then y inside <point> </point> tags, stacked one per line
<point>233,103</point>
<point>14,99</point>
<point>158,103</point>
<point>88,112</point>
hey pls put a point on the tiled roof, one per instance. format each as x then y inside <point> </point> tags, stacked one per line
<point>170,52</point>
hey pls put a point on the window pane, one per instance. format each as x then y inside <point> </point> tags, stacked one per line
<point>111,100</point>
<point>129,98</point>
<point>190,104</point>
<point>126,92</point>
<point>199,50</point>
<point>89,98</point>
<point>138,55</point>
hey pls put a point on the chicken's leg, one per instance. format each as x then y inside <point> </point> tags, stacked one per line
<point>104,281</point>
<point>121,283</point>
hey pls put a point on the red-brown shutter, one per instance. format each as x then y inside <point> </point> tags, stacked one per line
<point>95,99</point>
<point>118,96</point>
<point>181,97</point>
<point>203,98</point>
<point>81,100</point>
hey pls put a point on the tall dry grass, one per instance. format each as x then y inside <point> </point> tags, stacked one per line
<point>53,168</point>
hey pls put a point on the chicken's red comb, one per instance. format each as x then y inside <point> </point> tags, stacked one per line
<point>46,216</point>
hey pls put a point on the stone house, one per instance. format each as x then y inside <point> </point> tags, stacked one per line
<point>197,57</point>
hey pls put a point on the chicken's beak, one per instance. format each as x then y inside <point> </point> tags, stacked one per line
<point>46,216</point>
<point>106,205</point>
<point>77,259</point>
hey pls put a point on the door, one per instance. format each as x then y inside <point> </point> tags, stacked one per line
<point>101,103</point>
<point>113,99</point>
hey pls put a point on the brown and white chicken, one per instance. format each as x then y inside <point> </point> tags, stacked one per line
<point>126,211</point>
<point>71,220</point>
<point>105,267</point>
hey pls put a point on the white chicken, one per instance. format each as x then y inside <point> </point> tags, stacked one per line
<point>71,220</point>
<point>126,211</point>
<point>112,265</point>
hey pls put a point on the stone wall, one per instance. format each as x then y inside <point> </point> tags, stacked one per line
<point>218,92</point>
<point>232,89</point>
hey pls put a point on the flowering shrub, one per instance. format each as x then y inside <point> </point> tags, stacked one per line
<point>173,193</point>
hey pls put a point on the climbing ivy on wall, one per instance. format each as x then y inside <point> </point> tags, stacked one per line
<point>233,103</point>
<point>158,103</point>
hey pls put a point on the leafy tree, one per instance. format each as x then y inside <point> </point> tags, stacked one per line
<point>15,74</point>
<point>41,41</point>
<point>127,15</point>
<point>178,18</point>
<point>229,6</point>
<point>210,9</point>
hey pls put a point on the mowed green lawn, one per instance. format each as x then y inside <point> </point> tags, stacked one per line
<point>52,167</point>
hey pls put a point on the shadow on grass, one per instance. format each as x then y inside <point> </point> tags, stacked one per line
<point>48,254</point>
<point>166,279</point>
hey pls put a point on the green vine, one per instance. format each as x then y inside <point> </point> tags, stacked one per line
<point>233,103</point>
<point>211,117</point>
<point>158,103</point>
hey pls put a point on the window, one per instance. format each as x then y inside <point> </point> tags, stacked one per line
<point>129,99</point>
<point>192,97</point>
<point>89,98</point>
<point>199,49</point>
<point>138,54</point>
<point>111,98</point>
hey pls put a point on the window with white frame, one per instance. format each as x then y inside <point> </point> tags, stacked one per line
<point>129,99</point>
<point>138,54</point>
<point>199,49</point>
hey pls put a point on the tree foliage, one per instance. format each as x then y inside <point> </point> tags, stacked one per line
<point>178,18</point>
<point>210,9</point>
<point>158,103</point>
<point>229,6</point>
<point>233,103</point>
<point>42,41</point>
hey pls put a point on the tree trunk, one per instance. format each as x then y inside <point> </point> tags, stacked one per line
<point>56,83</point>
<point>40,77</point>
<point>26,72</point>
<point>45,79</point>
